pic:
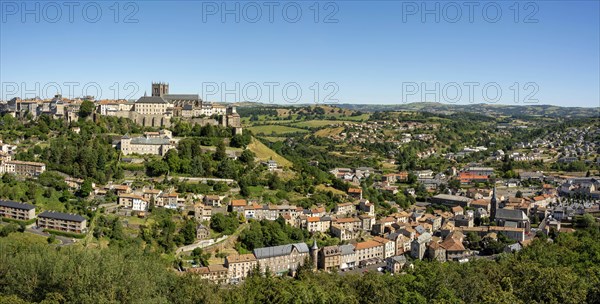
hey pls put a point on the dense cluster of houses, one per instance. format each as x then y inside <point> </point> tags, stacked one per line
<point>23,168</point>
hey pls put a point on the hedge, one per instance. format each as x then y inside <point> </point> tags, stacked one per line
<point>10,220</point>
<point>64,233</point>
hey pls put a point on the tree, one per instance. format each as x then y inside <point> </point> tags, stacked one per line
<point>220,152</point>
<point>156,168</point>
<point>225,224</point>
<point>519,194</point>
<point>86,109</point>
<point>51,239</point>
<point>188,231</point>
<point>200,257</point>
<point>85,189</point>
<point>247,156</point>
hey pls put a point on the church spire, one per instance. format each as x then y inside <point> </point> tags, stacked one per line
<point>494,204</point>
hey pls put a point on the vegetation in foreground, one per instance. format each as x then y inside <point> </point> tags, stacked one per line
<point>563,271</point>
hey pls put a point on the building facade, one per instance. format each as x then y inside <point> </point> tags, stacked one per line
<point>61,221</point>
<point>17,211</point>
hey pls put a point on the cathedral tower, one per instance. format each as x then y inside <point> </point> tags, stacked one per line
<point>160,88</point>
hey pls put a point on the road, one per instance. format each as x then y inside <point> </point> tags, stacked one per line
<point>64,241</point>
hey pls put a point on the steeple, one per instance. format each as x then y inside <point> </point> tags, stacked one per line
<point>314,250</point>
<point>494,204</point>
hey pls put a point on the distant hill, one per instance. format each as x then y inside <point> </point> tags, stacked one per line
<point>444,108</point>
<point>482,108</point>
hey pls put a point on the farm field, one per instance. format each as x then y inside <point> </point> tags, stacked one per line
<point>264,153</point>
<point>275,129</point>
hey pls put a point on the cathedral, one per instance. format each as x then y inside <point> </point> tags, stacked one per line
<point>158,109</point>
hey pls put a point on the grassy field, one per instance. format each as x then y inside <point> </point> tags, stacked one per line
<point>329,132</point>
<point>27,238</point>
<point>325,189</point>
<point>317,123</point>
<point>265,153</point>
<point>275,129</point>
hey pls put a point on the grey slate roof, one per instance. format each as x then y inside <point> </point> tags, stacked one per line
<point>448,197</point>
<point>62,216</point>
<point>170,97</point>
<point>16,205</point>
<point>511,214</point>
<point>151,99</point>
<point>150,141</point>
<point>398,258</point>
<point>347,249</point>
<point>269,252</point>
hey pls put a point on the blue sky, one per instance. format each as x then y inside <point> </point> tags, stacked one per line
<point>376,52</point>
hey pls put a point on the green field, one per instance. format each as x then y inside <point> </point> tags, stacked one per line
<point>264,153</point>
<point>318,123</point>
<point>275,129</point>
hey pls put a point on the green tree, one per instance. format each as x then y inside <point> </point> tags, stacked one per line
<point>188,232</point>
<point>86,109</point>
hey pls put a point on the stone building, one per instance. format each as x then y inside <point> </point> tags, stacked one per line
<point>154,144</point>
<point>282,259</point>
<point>330,258</point>
<point>240,265</point>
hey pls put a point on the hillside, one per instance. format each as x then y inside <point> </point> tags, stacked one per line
<point>489,109</point>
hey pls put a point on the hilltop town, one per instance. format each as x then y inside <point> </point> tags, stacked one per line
<point>321,188</point>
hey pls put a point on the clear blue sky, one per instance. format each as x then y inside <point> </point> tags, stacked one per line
<point>369,55</point>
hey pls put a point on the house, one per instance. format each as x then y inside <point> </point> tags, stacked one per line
<point>167,200</point>
<point>462,220</point>
<point>319,211</point>
<point>389,246</point>
<point>481,203</point>
<point>271,165</point>
<point>369,250</point>
<point>367,207</point>
<point>214,273</point>
<point>348,258</point>
<point>202,212</point>
<point>355,193</point>
<point>281,259</point>
<point>401,241</point>
<point>342,233</point>
<point>120,189</point>
<point>133,202</point>
<point>467,178</point>
<point>330,258</point>
<point>395,264</point>
<point>419,246</point>
<point>23,168</point>
<point>451,200</point>
<point>239,265</point>
<point>517,234</point>
<point>212,200</point>
<point>436,252</point>
<point>238,205</point>
<point>61,221</point>
<point>367,221</point>
<point>151,195</point>
<point>202,232</point>
<point>344,209</point>
<point>457,210</point>
<point>454,247</point>
<point>17,211</point>
<point>318,224</point>
<point>351,223</point>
